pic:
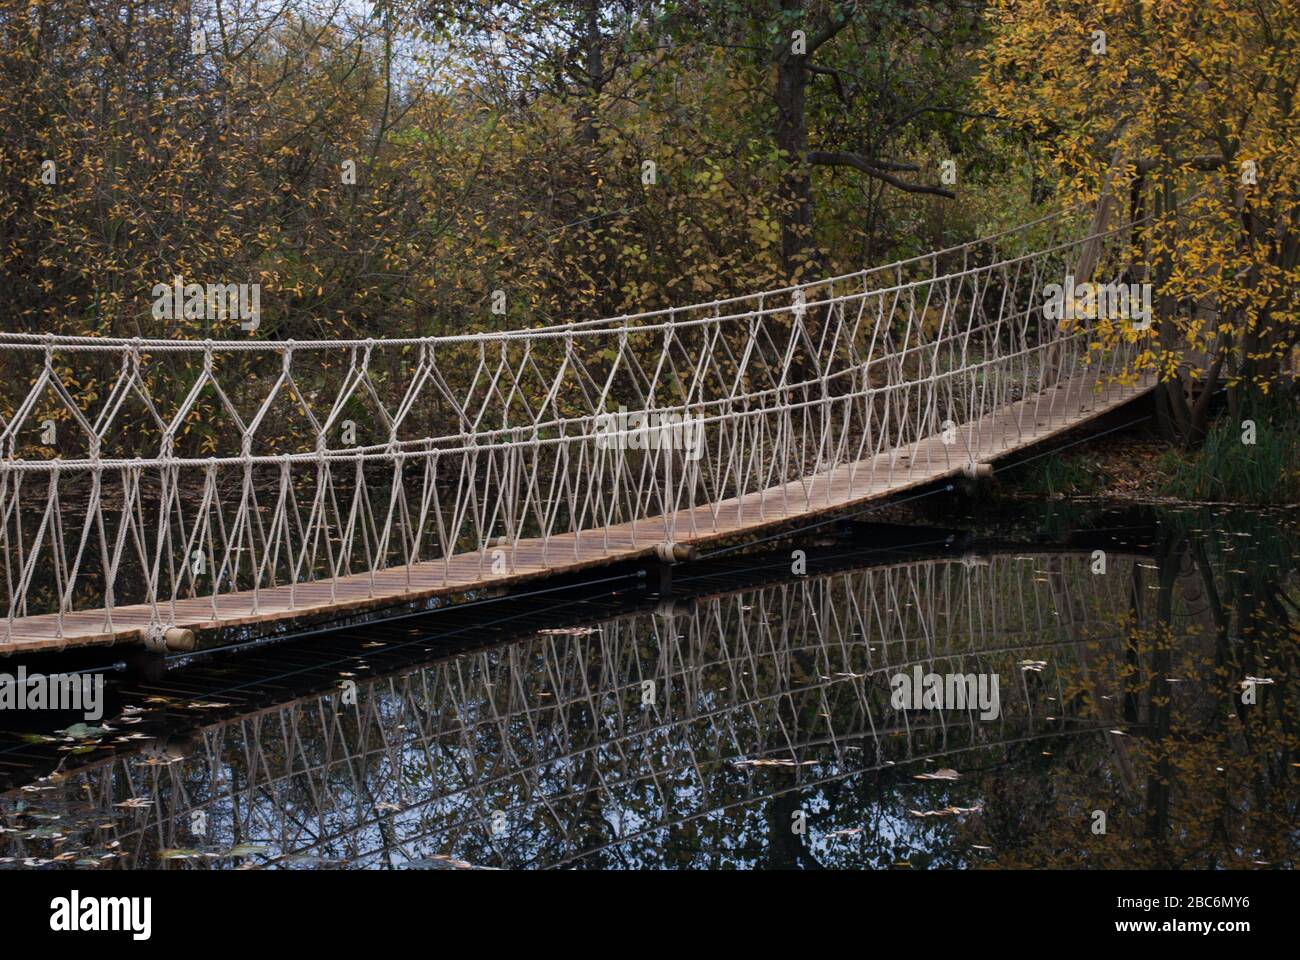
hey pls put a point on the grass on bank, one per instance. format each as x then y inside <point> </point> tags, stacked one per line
<point>1228,469</point>
<point>1224,469</point>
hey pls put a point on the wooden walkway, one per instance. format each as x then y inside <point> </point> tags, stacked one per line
<point>1016,426</point>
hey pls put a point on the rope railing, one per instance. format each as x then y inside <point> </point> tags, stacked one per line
<point>165,473</point>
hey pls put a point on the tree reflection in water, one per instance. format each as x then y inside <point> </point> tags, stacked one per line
<point>702,734</point>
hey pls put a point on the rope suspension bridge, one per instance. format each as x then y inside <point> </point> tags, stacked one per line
<point>546,751</point>
<point>151,489</point>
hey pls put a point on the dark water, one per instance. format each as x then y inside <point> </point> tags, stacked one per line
<point>748,722</point>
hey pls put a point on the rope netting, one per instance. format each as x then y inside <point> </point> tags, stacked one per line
<point>154,471</point>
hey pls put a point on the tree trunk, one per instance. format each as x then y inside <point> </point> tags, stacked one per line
<point>594,67</point>
<point>798,255</point>
<point>587,256</point>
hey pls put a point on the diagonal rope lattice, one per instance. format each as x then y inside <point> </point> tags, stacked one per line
<point>152,483</point>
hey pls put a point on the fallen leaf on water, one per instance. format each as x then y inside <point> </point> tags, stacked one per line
<point>41,833</point>
<point>944,774</point>
<point>81,731</point>
<point>247,850</point>
<point>945,812</point>
<point>308,859</point>
<point>441,861</point>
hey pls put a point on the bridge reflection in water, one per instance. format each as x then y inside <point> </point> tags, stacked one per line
<point>699,734</point>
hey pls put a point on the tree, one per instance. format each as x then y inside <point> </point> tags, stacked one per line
<point>1191,107</point>
<point>888,69</point>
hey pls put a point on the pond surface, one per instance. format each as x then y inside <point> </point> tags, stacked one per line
<point>1144,667</point>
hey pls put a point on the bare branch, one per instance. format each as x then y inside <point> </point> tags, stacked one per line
<point>829,158</point>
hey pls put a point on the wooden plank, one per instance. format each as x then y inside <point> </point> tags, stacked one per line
<point>1070,404</point>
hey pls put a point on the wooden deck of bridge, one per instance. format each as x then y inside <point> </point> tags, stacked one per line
<point>1070,404</point>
